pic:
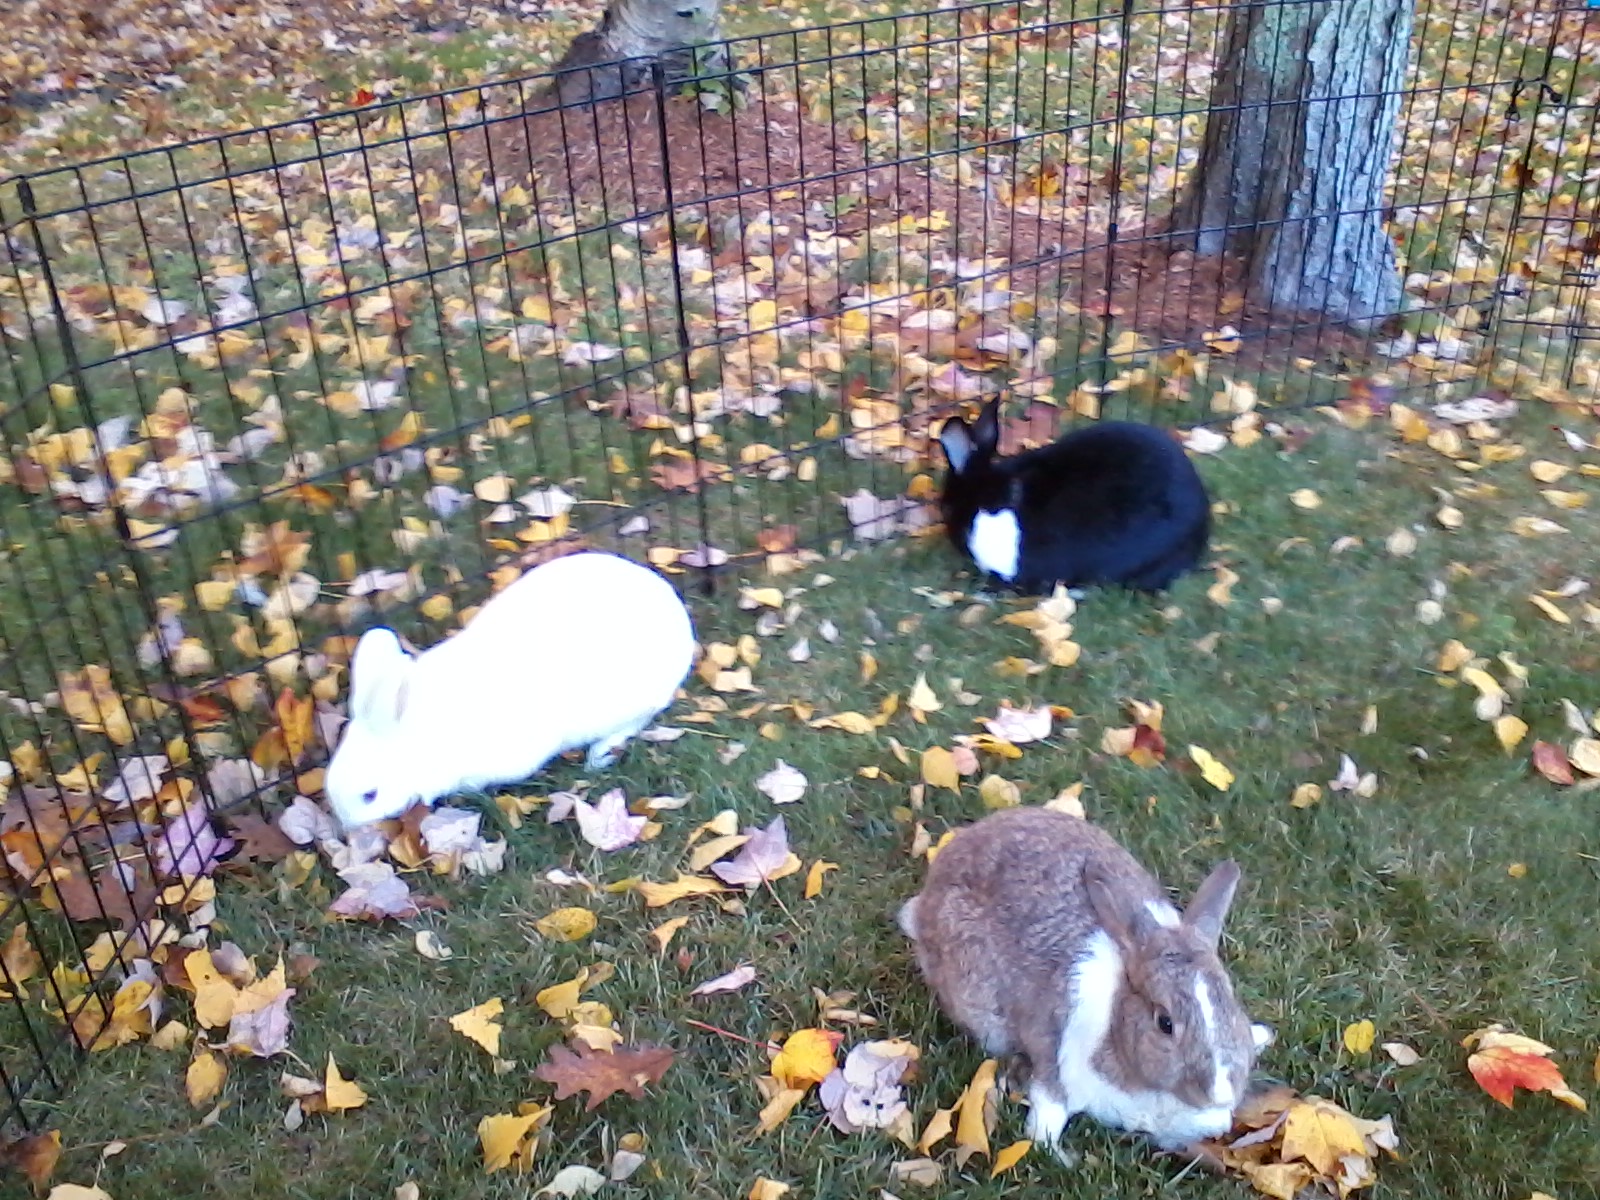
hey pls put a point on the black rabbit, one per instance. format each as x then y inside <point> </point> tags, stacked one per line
<point>1111,503</point>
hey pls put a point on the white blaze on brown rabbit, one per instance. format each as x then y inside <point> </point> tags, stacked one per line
<point>1044,939</point>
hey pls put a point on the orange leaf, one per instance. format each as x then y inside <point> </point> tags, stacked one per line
<point>1501,1071</point>
<point>1503,1062</point>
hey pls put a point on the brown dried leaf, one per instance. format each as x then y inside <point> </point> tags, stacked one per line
<point>626,1069</point>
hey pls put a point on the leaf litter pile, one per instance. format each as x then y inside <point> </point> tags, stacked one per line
<point>830,356</point>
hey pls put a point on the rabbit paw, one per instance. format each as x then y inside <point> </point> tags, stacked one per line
<point>1047,1121</point>
<point>601,756</point>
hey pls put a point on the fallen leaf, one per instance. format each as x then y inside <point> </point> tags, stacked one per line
<point>764,858</point>
<point>35,1155</point>
<point>807,1057</point>
<point>1502,1062</point>
<point>657,894</point>
<point>573,1181</point>
<point>1322,1134</point>
<point>479,1024</point>
<point>735,979</point>
<point>1212,771</point>
<point>1009,1157</point>
<point>566,924</point>
<point>608,825</point>
<point>338,1093</point>
<point>626,1069</point>
<point>776,1111</point>
<point>939,769</point>
<point>1359,1036</point>
<point>1401,1054</point>
<point>783,784</point>
<point>975,1113</point>
<point>559,999</point>
<point>1550,761</point>
<point>767,1189</point>
<point>204,1079</point>
<point>508,1139</point>
<point>814,877</point>
<point>663,933</point>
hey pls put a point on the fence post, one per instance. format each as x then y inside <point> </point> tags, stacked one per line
<point>658,77</point>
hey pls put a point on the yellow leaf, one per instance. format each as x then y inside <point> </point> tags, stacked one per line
<point>479,1024</point>
<point>1009,1157</point>
<point>657,894</point>
<point>938,1128</point>
<point>339,1093</point>
<point>566,924</point>
<point>1546,471</point>
<point>1510,730</point>
<point>204,1078</point>
<point>807,1057</point>
<point>1585,755</point>
<point>1305,795</point>
<point>559,999</point>
<point>1281,1180</point>
<point>922,698</point>
<point>663,933</point>
<point>493,489</point>
<point>973,1109</point>
<point>1550,609</point>
<point>814,877</point>
<point>1221,592</point>
<point>1359,1036</point>
<point>869,667</point>
<point>436,607</point>
<point>767,1189</point>
<point>1562,499</point>
<point>1212,771</point>
<point>1321,1133</point>
<point>508,1138</point>
<point>1449,516</point>
<point>213,595</point>
<point>996,792</point>
<point>850,722</point>
<point>1305,498</point>
<point>776,1111</point>
<point>939,769</point>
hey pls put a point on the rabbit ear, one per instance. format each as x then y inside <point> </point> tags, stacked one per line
<point>956,439</point>
<point>1209,908</point>
<point>986,429</point>
<point>1127,917</point>
<point>380,675</point>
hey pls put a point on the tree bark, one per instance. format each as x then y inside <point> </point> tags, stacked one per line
<point>596,66</point>
<point>1296,154</point>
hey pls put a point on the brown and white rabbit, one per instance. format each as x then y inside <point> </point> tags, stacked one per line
<point>1044,939</point>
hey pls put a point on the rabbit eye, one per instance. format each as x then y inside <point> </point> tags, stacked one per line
<point>369,797</point>
<point>1164,1023</point>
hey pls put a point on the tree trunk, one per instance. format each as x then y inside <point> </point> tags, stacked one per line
<point>644,31</point>
<point>1296,153</point>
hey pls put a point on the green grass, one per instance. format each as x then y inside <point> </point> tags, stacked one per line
<point>1397,908</point>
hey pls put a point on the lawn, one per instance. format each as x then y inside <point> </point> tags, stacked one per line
<point>1404,907</point>
<point>435,378</point>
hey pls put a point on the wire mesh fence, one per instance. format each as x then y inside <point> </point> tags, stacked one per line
<point>265,388</point>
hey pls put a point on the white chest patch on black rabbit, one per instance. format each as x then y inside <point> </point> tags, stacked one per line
<point>995,542</point>
<point>1096,979</point>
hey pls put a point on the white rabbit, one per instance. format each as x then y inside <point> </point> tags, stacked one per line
<point>584,650</point>
<point>1045,940</point>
